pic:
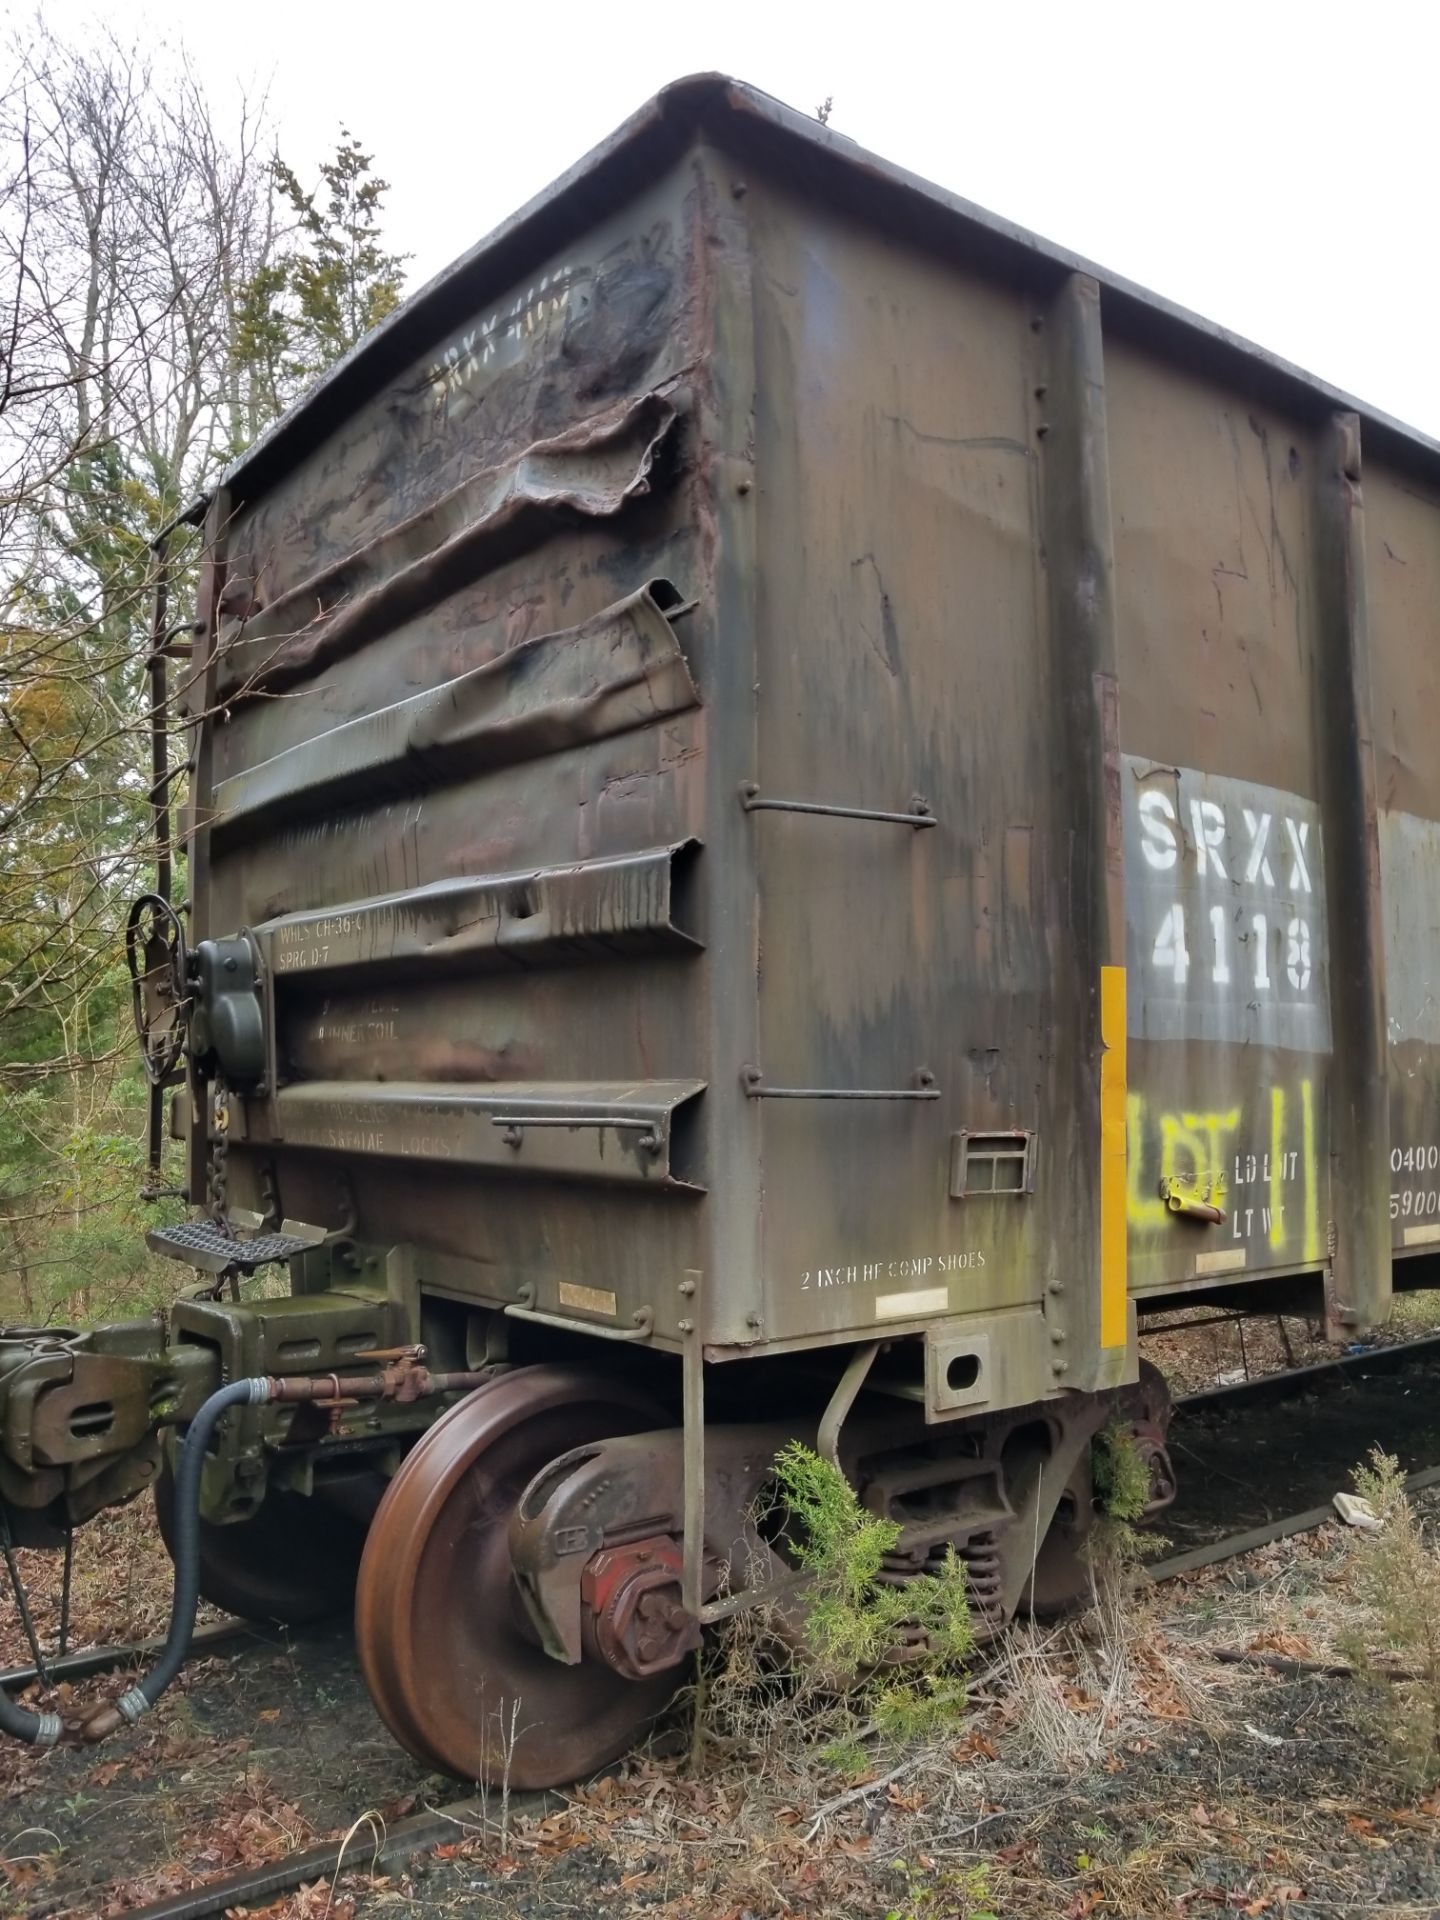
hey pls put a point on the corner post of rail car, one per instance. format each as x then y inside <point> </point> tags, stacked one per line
<point>158,694</point>
<point>200,700</point>
<point>692,1366</point>
<point>1358,1278</point>
<point>1092,1324</point>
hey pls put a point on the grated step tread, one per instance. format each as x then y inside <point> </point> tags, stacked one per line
<point>202,1244</point>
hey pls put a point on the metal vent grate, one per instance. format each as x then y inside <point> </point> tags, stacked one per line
<point>984,1163</point>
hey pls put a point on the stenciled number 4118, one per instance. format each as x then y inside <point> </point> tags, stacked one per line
<point>1230,936</point>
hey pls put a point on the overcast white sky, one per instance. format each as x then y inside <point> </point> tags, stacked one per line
<point>1272,165</point>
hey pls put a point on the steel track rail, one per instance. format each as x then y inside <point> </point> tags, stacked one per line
<point>1234,1544</point>
<point>91,1660</point>
<point>1272,1389</point>
<point>431,1828</point>
<point>359,1849</point>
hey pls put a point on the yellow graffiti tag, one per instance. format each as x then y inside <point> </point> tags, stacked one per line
<point>1226,1156</point>
<point>1192,1153</point>
<point>1143,1209</point>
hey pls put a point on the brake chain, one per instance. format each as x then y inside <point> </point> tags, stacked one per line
<point>218,1171</point>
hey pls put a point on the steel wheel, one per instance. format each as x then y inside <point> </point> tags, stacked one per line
<point>448,1655</point>
<point>1062,1580</point>
<point>296,1560</point>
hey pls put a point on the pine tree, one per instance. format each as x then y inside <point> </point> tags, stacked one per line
<point>315,302</point>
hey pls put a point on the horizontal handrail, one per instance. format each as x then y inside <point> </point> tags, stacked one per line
<point>919,814</point>
<point>515,1124</point>
<point>755,1089</point>
<point>522,1309</point>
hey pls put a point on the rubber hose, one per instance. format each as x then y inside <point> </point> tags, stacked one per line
<point>44,1729</point>
<point>35,1729</point>
<point>143,1695</point>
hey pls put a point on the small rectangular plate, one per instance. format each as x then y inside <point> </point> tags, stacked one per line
<point>1223,1260</point>
<point>587,1299</point>
<point>901,1306</point>
<point>1421,1236</point>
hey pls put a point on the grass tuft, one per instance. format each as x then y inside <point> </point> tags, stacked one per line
<point>1397,1580</point>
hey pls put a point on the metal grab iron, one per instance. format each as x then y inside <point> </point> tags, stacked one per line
<point>918,815</point>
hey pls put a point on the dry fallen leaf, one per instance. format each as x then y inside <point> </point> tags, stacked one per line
<point>1289,1644</point>
<point>1162,1700</point>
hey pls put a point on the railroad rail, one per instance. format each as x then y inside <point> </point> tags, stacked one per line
<point>1274,1390</point>
<point>401,1842</point>
<point>89,1661</point>
<point>1288,1383</point>
<point>1233,1545</point>
<point>422,1831</point>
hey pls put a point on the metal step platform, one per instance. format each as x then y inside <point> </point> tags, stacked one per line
<point>208,1248</point>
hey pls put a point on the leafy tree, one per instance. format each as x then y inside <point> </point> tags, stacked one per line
<point>164,292</point>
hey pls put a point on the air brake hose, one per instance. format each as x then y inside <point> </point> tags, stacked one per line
<point>35,1729</point>
<point>45,1729</point>
<point>403,1381</point>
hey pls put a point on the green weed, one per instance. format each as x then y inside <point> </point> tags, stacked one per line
<point>883,1659</point>
<point>963,1893</point>
<point>1398,1585</point>
<point>855,1619</point>
<point>1120,1478</point>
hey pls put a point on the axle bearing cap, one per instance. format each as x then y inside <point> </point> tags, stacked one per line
<point>634,1617</point>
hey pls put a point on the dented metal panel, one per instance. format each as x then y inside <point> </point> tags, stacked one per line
<point>515,919</point>
<point>623,668</point>
<point>583,1130</point>
<point>742,470</point>
<point>268,639</point>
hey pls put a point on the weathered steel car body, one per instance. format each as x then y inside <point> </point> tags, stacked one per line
<point>739,476</point>
<point>822,792</point>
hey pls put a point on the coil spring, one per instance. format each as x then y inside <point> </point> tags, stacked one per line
<point>984,1576</point>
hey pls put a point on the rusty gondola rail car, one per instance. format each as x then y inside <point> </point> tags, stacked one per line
<point>802,804</point>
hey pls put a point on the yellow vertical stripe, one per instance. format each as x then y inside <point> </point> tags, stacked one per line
<point>1114,1281</point>
<point>1312,1174</point>
<point>1277,1166</point>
